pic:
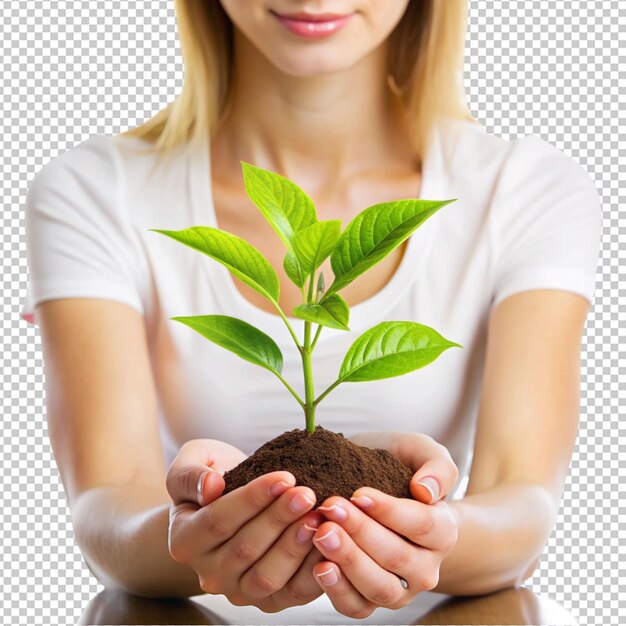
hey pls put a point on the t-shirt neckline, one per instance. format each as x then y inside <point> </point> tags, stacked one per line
<point>363,314</point>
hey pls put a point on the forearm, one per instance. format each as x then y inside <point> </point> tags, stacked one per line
<point>123,534</point>
<point>501,534</point>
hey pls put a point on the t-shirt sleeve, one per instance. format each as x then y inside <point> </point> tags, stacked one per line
<point>78,240</point>
<point>547,223</point>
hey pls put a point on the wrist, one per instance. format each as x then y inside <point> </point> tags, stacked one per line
<point>122,532</point>
<point>455,509</point>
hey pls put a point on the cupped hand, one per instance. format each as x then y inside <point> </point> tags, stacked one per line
<point>381,551</point>
<point>252,544</point>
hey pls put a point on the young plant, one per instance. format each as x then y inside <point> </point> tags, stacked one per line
<point>386,350</point>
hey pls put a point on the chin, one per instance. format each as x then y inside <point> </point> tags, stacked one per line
<point>310,63</point>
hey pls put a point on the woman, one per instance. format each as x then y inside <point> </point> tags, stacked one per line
<point>357,109</point>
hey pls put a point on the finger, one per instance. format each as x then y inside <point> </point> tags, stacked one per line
<point>390,550</point>
<point>225,456</point>
<point>435,471</point>
<point>180,518</point>
<point>182,529</point>
<point>187,474</point>
<point>219,521</point>
<point>256,537</point>
<point>300,589</point>
<point>345,598</point>
<point>280,563</point>
<point>431,526</point>
<point>372,581</point>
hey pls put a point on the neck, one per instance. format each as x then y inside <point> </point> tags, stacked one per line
<point>314,129</point>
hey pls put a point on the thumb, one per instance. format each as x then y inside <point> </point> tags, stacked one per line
<point>435,471</point>
<point>209,486</point>
<point>199,484</point>
<point>433,480</point>
<point>191,478</point>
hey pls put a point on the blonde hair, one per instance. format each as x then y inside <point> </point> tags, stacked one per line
<point>425,70</point>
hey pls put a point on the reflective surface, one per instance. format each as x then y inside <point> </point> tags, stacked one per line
<point>513,606</point>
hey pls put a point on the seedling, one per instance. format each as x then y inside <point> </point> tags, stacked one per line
<point>386,350</point>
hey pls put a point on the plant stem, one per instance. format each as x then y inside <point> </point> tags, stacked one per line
<point>325,393</point>
<point>307,349</point>
<point>309,406</point>
<point>289,326</point>
<point>295,338</point>
<point>293,393</point>
<point>317,334</point>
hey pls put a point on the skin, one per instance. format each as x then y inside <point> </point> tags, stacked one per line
<point>295,114</point>
<point>291,94</point>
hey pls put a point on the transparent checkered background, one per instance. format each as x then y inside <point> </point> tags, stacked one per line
<point>72,69</point>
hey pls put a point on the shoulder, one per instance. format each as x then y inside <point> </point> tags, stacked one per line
<point>456,140</point>
<point>95,171</point>
<point>98,160</point>
<point>91,160</point>
<point>526,165</point>
<point>74,186</point>
<point>88,169</point>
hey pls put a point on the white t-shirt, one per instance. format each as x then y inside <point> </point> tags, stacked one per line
<point>527,217</point>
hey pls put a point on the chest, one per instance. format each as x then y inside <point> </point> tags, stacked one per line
<point>205,391</point>
<point>236,213</point>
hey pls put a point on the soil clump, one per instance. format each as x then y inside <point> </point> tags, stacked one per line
<point>326,462</point>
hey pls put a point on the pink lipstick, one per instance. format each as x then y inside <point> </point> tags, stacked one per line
<point>312,25</point>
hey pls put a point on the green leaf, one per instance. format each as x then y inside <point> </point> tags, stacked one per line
<point>392,349</point>
<point>236,254</point>
<point>374,233</point>
<point>333,312</point>
<point>284,205</point>
<point>239,337</point>
<point>293,270</point>
<point>321,286</point>
<point>314,243</point>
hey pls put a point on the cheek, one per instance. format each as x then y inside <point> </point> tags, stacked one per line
<point>378,20</point>
<point>383,16</point>
<point>244,13</point>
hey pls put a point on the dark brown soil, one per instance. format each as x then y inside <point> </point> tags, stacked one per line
<point>326,462</point>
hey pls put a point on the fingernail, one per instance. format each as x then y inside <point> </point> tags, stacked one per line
<point>330,540</point>
<point>305,533</point>
<point>277,488</point>
<point>200,485</point>
<point>329,577</point>
<point>362,501</point>
<point>338,513</point>
<point>432,485</point>
<point>300,502</point>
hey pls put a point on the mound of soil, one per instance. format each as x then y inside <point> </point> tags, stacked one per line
<point>326,462</point>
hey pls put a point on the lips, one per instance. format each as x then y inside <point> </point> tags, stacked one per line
<point>312,17</point>
<point>311,25</point>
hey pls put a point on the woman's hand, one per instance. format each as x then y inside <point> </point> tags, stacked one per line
<point>251,544</point>
<point>374,540</point>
